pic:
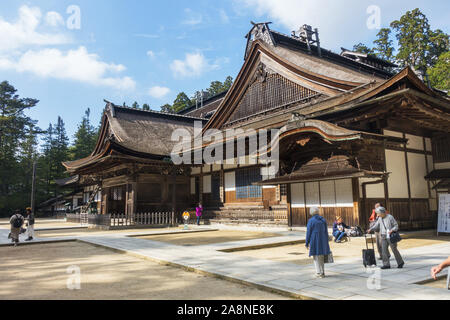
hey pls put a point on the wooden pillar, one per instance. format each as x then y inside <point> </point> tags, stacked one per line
<point>131,197</point>
<point>289,207</point>
<point>408,179</point>
<point>385,183</point>
<point>105,200</point>
<point>200,189</point>
<point>174,191</point>
<point>357,208</point>
<point>222,185</point>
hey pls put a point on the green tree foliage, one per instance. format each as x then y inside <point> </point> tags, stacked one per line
<point>384,48</point>
<point>362,48</point>
<point>166,108</point>
<point>183,102</point>
<point>85,138</point>
<point>17,148</point>
<point>146,107</point>
<point>55,151</point>
<point>440,73</point>
<point>419,46</point>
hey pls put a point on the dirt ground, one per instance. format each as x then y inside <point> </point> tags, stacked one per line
<point>299,254</point>
<point>44,223</point>
<point>89,232</point>
<point>210,237</point>
<point>41,272</point>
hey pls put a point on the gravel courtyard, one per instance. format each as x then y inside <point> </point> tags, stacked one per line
<point>40,272</point>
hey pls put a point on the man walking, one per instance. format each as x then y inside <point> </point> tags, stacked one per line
<point>30,225</point>
<point>386,225</point>
<point>16,223</point>
<point>372,222</point>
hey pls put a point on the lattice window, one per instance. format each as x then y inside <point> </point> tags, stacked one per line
<point>116,193</point>
<point>275,91</point>
<point>441,149</point>
<point>244,179</point>
<point>283,189</point>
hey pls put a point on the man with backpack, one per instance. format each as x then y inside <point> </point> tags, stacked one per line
<point>16,222</point>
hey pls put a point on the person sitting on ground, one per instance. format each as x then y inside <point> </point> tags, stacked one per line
<point>339,229</point>
<point>16,222</point>
<point>436,270</point>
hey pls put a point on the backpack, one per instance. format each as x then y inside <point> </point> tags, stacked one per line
<point>359,232</point>
<point>17,222</point>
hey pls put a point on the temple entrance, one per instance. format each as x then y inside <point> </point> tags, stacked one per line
<point>116,199</point>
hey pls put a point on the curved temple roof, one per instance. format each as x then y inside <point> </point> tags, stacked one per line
<point>135,133</point>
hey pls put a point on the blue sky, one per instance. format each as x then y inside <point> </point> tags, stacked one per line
<point>148,51</point>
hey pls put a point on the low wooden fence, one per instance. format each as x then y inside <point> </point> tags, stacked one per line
<point>143,219</point>
<point>117,220</point>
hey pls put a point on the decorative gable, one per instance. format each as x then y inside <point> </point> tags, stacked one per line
<point>268,91</point>
<point>260,31</point>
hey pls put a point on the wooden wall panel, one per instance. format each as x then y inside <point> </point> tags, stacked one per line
<point>300,216</point>
<point>230,197</point>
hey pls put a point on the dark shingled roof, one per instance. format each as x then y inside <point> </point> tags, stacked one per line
<point>137,133</point>
<point>147,132</point>
<point>339,167</point>
<point>209,107</point>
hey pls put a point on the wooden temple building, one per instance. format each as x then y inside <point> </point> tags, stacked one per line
<point>354,132</point>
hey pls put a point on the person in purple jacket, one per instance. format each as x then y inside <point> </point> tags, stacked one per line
<point>199,212</point>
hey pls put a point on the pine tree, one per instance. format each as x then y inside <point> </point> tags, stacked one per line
<point>384,48</point>
<point>16,137</point>
<point>419,46</point>
<point>362,48</point>
<point>85,138</point>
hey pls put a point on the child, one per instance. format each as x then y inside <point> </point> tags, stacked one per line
<point>199,212</point>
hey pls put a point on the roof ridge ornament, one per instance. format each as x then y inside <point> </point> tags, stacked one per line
<point>305,34</point>
<point>259,31</point>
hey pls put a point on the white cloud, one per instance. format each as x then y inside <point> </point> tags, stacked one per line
<point>147,35</point>
<point>150,53</point>
<point>223,16</point>
<point>78,65</point>
<point>54,19</point>
<point>194,65</point>
<point>336,23</point>
<point>24,32</point>
<point>158,92</point>
<point>192,18</point>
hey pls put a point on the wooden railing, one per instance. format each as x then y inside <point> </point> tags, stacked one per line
<point>143,219</point>
<point>125,220</point>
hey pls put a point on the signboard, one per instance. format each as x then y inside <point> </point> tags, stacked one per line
<point>186,217</point>
<point>444,213</point>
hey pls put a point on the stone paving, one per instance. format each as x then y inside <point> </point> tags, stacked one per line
<point>346,279</point>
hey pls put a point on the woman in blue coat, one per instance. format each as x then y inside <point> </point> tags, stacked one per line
<point>317,241</point>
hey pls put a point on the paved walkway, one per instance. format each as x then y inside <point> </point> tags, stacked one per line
<point>346,279</point>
